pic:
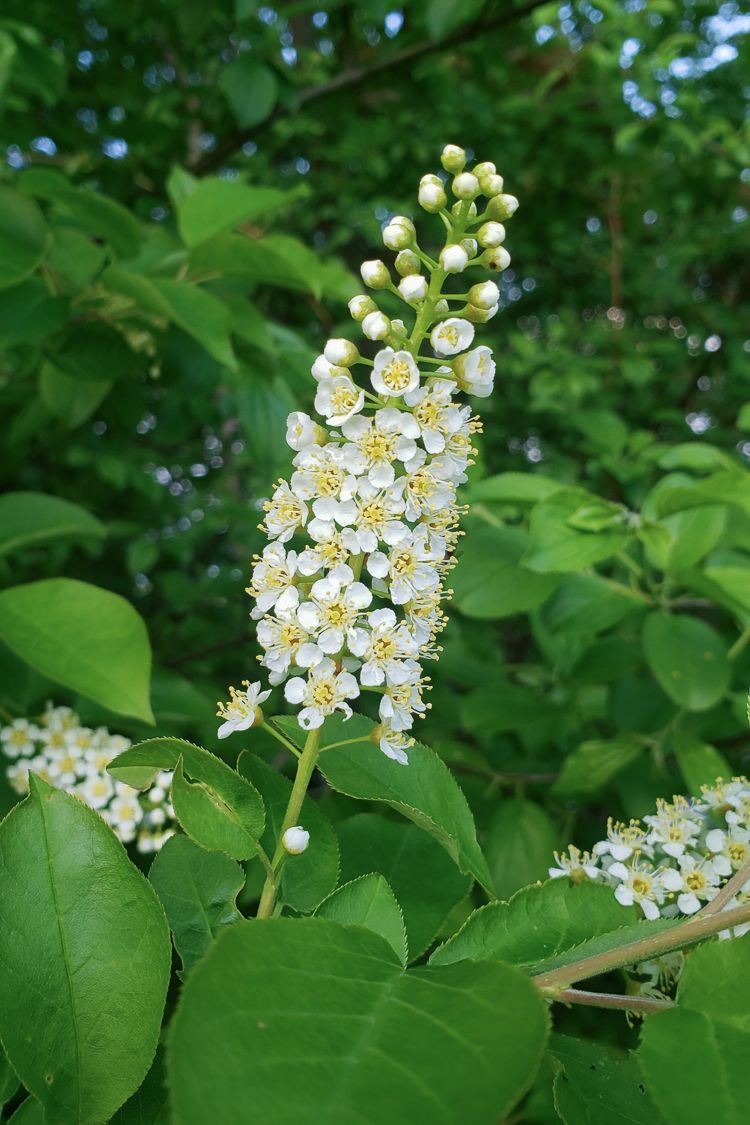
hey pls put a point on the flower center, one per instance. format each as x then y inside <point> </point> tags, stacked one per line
<point>397,375</point>
<point>696,881</point>
<point>641,885</point>
<point>403,563</point>
<point>372,514</point>
<point>327,481</point>
<point>383,648</point>
<point>323,694</point>
<point>377,447</point>
<point>343,400</point>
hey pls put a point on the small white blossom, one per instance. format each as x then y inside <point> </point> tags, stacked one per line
<point>324,691</point>
<point>295,840</point>
<point>453,259</point>
<point>451,336</point>
<point>394,373</point>
<point>243,709</point>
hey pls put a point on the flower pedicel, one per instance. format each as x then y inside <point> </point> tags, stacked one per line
<point>348,591</point>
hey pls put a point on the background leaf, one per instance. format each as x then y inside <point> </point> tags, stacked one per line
<point>369,902</point>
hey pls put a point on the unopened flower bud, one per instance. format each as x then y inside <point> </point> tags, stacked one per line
<point>491,234</point>
<point>496,258</point>
<point>413,288</point>
<point>295,840</point>
<point>375,274</point>
<point>341,353</point>
<point>484,295</point>
<point>453,259</point>
<point>431,194</point>
<point>376,326</point>
<point>398,328</point>
<point>399,233</point>
<point>407,263</point>
<point>465,186</point>
<point>491,185</point>
<point>441,306</point>
<point>470,246</point>
<point>453,159</point>
<point>486,168</point>
<point>502,206</point>
<point>361,305</point>
<point>477,315</point>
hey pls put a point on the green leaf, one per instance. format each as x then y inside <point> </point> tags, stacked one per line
<point>593,764</point>
<point>85,638</point>
<point>84,959</point>
<point>201,315</point>
<point>424,879</point>
<point>688,658</point>
<point>369,901</point>
<point>696,457</point>
<point>217,205</point>
<point>71,400</point>
<point>308,878</point>
<point>29,1112</point>
<point>556,546</point>
<point>149,1105</point>
<point>251,89</point>
<point>369,1040</point>
<point>93,352</point>
<point>691,535</point>
<point>598,1085</point>
<point>97,214</point>
<point>444,16</point>
<point>700,763</point>
<point>28,314</point>
<point>221,812</point>
<point>32,517</point>
<point>519,843</point>
<point>743,418</point>
<point>540,923</point>
<point>489,581</point>
<point>198,890</point>
<point>732,580</point>
<point>424,791</point>
<point>694,1056</point>
<point>604,430</point>
<point>586,603</point>
<point>513,488</point>
<point>24,237</point>
<point>9,1083</point>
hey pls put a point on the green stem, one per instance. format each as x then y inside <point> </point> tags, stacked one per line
<point>638,1004</point>
<point>305,768</point>
<point>693,930</point>
<point>739,645</point>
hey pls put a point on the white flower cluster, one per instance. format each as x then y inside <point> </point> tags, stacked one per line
<point>677,859</point>
<point>357,605</point>
<point>75,758</point>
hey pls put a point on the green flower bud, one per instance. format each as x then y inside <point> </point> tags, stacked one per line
<point>375,274</point>
<point>341,353</point>
<point>491,185</point>
<point>361,305</point>
<point>453,159</point>
<point>484,295</point>
<point>407,263</point>
<point>497,258</point>
<point>431,194</point>
<point>465,186</point>
<point>491,234</point>
<point>502,206</point>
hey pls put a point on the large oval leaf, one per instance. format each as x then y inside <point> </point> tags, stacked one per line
<point>23,237</point>
<point>88,639</point>
<point>306,1020</point>
<point>32,517</point>
<point>84,959</point>
<point>688,658</point>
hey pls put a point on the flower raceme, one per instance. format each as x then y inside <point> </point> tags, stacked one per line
<point>348,591</point>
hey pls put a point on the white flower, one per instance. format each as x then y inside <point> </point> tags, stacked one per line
<point>285,513</point>
<point>409,566</point>
<point>575,865</point>
<point>372,517</point>
<point>394,373</point>
<point>401,702</point>
<point>376,325</point>
<point>338,399</point>
<point>375,443</point>
<point>435,412</point>
<point>475,372</point>
<point>733,846</point>
<point>413,288</point>
<point>453,259</point>
<point>428,489</point>
<point>272,580</point>
<point>301,431</point>
<point>18,738</point>
<point>125,813</point>
<point>319,472</point>
<point>699,881</point>
<point>640,885</point>
<point>674,827</point>
<point>623,840</point>
<point>243,709</point>
<point>282,641</point>
<point>394,743</point>
<point>386,650</point>
<point>64,766</point>
<point>324,691</point>
<point>96,790</point>
<point>451,336</point>
<point>335,605</point>
<point>295,840</point>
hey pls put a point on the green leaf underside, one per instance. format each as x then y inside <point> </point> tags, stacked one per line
<point>541,927</point>
<point>198,890</point>
<point>424,791</point>
<point>371,1043</point>
<point>426,882</point>
<point>85,638</point>
<point>28,518</point>
<point>223,811</point>
<point>598,1085</point>
<point>695,1056</point>
<point>371,903</point>
<point>308,878</point>
<point>84,959</point>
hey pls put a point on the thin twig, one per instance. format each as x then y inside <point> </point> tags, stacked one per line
<point>358,76</point>
<point>612,1000</point>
